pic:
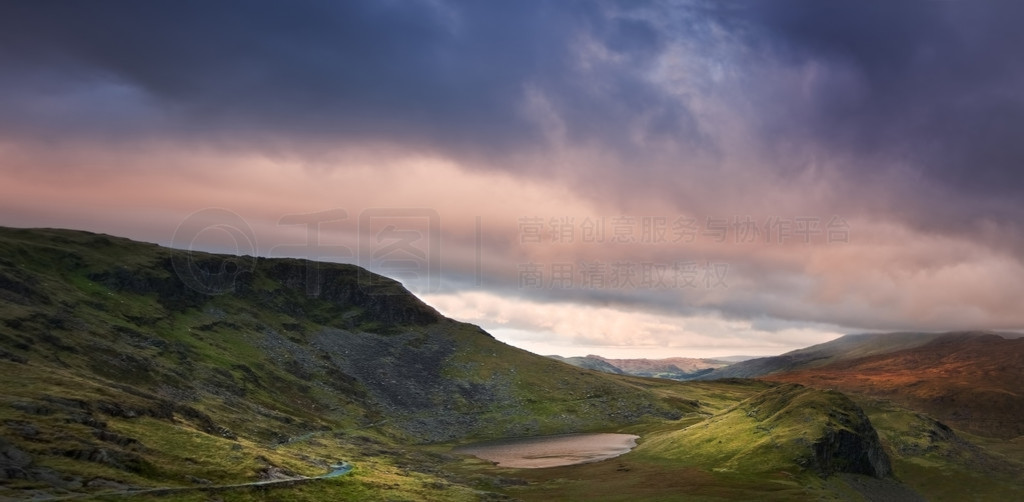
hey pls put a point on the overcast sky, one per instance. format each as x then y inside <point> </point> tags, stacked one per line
<point>631,179</point>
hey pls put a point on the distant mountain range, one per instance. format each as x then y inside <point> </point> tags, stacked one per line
<point>674,368</point>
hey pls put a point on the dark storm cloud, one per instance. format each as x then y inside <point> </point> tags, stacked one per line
<point>929,87</point>
<point>427,75</point>
<point>325,68</point>
<point>942,82</point>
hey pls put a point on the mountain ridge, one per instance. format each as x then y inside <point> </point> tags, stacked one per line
<point>394,340</point>
<point>845,347</point>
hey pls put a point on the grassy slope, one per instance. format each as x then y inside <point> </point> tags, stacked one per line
<point>940,463</point>
<point>745,450</point>
<point>762,434</point>
<point>720,455</point>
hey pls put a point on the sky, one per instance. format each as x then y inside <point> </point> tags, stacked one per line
<point>629,179</point>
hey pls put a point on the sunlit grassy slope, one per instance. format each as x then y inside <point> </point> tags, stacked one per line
<point>779,429</point>
<point>756,441</point>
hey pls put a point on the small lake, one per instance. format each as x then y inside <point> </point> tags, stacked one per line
<point>551,451</point>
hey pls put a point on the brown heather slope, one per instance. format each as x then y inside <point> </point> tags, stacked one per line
<point>974,382</point>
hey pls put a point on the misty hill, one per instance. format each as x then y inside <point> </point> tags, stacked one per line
<point>734,359</point>
<point>590,363</point>
<point>675,368</point>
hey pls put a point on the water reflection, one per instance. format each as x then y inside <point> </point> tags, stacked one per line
<point>551,451</point>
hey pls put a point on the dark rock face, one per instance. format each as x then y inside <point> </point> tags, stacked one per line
<point>855,452</point>
<point>13,461</point>
<point>403,375</point>
<point>189,280</point>
<point>402,372</point>
<point>21,288</point>
<point>381,299</point>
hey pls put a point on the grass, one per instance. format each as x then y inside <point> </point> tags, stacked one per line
<point>944,464</point>
<point>728,457</point>
<point>762,434</point>
<point>656,469</point>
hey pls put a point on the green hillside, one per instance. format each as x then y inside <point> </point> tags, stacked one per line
<point>116,371</point>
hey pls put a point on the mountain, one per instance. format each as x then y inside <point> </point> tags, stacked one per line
<point>110,349</point>
<point>971,381</point>
<point>675,368</point>
<point>968,379</point>
<point>590,363</point>
<point>845,347</point>
<point>128,369</point>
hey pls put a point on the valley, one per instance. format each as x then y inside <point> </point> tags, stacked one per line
<point>119,376</point>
